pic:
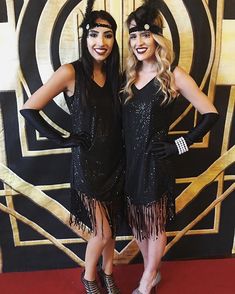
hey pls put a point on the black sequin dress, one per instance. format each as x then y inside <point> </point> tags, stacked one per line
<point>97,175</point>
<point>149,186</point>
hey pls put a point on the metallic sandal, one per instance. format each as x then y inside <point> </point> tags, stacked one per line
<point>91,287</point>
<point>157,279</point>
<point>137,291</point>
<point>152,291</point>
<point>108,283</point>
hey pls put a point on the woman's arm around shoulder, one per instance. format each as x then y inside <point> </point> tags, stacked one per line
<point>189,89</point>
<point>62,80</point>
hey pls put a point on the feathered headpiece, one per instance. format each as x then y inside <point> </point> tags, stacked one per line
<point>145,16</point>
<point>88,22</point>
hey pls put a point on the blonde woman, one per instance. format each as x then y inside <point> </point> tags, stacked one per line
<point>152,85</point>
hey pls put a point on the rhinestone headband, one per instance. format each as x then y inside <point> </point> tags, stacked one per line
<point>146,27</point>
<point>96,24</point>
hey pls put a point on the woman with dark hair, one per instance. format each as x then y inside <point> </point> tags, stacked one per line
<point>152,84</point>
<point>91,86</point>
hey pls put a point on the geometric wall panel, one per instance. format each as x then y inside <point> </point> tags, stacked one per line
<point>36,37</point>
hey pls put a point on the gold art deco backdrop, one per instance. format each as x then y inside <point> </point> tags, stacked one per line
<point>36,36</point>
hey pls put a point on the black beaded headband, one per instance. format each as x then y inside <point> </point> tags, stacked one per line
<point>146,27</point>
<point>96,24</point>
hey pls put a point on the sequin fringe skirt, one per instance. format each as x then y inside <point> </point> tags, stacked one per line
<point>148,220</point>
<point>83,212</point>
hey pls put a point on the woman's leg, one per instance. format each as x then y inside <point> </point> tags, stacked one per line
<point>143,246</point>
<point>107,254</point>
<point>155,252</point>
<point>106,273</point>
<point>96,244</point>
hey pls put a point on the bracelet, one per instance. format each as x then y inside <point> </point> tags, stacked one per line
<point>181,145</point>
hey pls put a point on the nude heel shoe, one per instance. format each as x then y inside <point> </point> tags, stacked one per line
<point>157,279</point>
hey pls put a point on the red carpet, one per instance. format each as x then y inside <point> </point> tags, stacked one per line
<point>215,276</point>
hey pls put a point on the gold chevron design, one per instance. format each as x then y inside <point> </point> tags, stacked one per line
<point>205,179</point>
<point>41,231</point>
<point>201,216</point>
<point>38,197</point>
<point>214,174</point>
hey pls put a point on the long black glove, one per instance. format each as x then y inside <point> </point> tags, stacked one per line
<point>179,146</point>
<point>36,120</point>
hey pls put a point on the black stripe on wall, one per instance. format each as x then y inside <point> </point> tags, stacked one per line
<point>3,11</point>
<point>18,6</point>
<point>212,6</point>
<point>229,9</point>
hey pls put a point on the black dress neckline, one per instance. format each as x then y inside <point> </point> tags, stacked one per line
<point>139,90</point>
<point>98,86</point>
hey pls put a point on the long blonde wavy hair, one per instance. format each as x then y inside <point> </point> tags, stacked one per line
<point>164,58</point>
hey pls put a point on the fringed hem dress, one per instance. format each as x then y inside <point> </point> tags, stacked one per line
<point>97,174</point>
<point>150,182</point>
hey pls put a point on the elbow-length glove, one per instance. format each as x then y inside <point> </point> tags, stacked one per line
<point>36,120</point>
<point>180,145</point>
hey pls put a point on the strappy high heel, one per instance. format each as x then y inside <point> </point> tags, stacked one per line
<point>107,282</point>
<point>157,279</point>
<point>155,282</point>
<point>136,291</point>
<point>152,291</point>
<point>91,287</point>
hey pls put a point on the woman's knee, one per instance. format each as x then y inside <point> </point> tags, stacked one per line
<point>104,237</point>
